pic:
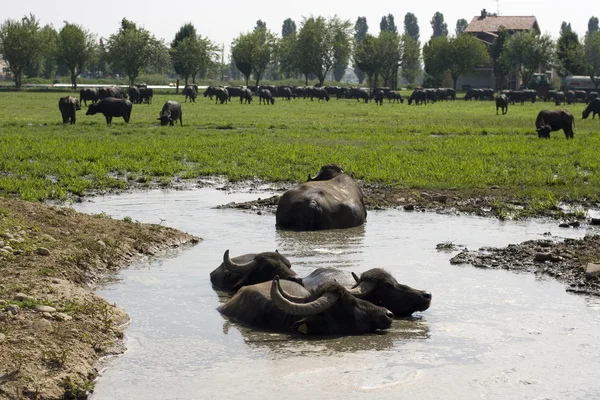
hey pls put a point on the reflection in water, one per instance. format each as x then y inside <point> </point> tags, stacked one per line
<point>489,333</point>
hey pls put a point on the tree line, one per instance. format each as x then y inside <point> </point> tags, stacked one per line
<point>319,48</point>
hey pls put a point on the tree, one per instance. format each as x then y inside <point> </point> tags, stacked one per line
<point>323,45</point>
<point>185,31</point>
<point>435,55</point>
<point>252,52</point>
<point>365,57</point>
<point>389,54</point>
<point>360,32</point>
<point>387,24</point>
<point>287,54</point>
<point>569,53</point>
<point>592,25</point>
<point>260,24</point>
<point>461,25</point>
<point>191,55</point>
<point>134,49</point>
<point>411,58</point>
<point>592,56</point>
<point>565,27</point>
<point>466,53</point>
<point>500,65</point>
<point>288,28</point>
<point>527,53</point>
<point>440,28</point>
<point>74,50</point>
<point>19,44</point>
<point>411,26</point>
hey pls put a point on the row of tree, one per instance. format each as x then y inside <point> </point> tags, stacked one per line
<point>319,48</point>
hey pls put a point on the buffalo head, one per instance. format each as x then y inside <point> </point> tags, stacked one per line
<point>544,131</point>
<point>381,288</point>
<point>92,109</point>
<point>249,269</point>
<point>330,309</point>
<point>326,173</point>
<point>165,118</point>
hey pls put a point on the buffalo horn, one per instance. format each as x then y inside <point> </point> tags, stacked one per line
<point>235,267</point>
<point>304,310</point>
<point>361,288</point>
<point>291,297</point>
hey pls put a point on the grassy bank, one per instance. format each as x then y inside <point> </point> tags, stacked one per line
<point>461,145</point>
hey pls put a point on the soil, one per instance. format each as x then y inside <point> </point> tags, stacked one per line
<point>53,257</point>
<point>53,328</point>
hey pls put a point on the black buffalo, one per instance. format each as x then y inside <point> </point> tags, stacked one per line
<point>548,121</point>
<point>593,107</point>
<point>394,97</point>
<point>68,107</point>
<point>376,286</point>
<point>502,103</point>
<point>146,95</point>
<point>190,91</point>
<point>265,96</point>
<point>360,93</point>
<point>170,113</point>
<point>320,94</point>
<point>134,94</point>
<point>286,306</point>
<point>591,96</point>
<point>221,95</point>
<point>111,91</point>
<point>378,97</point>
<point>88,94</point>
<point>418,96</point>
<point>331,200</point>
<point>246,94</point>
<point>286,92</point>
<point>560,98</point>
<point>234,91</point>
<point>249,269</point>
<point>111,107</point>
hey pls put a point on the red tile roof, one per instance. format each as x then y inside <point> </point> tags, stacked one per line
<point>493,24</point>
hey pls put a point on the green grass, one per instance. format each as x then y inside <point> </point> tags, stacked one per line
<point>461,145</point>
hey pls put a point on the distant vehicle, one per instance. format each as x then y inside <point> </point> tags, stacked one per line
<point>575,82</point>
<point>540,83</point>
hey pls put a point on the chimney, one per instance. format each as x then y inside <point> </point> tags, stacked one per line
<point>483,14</point>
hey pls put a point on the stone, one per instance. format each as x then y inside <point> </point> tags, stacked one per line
<point>563,225</point>
<point>1,244</point>
<point>4,251</point>
<point>542,257</point>
<point>47,237</point>
<point>2,337</point>
<point>409,207</point>
<point>594,221</point>
<point>23,297</point>
<point>45,309</point>
<point>3,316</point>
<point>592,271</point>
<point>12,309</point>
<point>101,243</point>
<point>47,315</point>
<point>17,252</point>
<point>42,251</point>
<point>7,236</point>
<point>62,317</point>
<point>42,325</point>
<point>575,224</point>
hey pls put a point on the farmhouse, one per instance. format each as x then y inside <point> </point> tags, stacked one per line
<point>486,27</point>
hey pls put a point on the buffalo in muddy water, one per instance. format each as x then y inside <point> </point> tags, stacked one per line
<point>68,107</point>
<point>170,113</point>
<point>250,269</point>
<point>593,107</point>
<point>330,200</point>
<point>550,120</point>
<point>286,306</point>
<point>111,107</point>
<point>376,286</point>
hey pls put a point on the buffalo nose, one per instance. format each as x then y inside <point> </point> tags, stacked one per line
<point>389,314</point>
<point>427,295</point>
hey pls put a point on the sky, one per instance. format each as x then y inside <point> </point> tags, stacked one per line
<point>223,20</point>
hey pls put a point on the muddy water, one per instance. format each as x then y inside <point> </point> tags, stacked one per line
<point>488,334</point>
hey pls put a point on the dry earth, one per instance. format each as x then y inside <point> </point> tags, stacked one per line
<point>53,328</point>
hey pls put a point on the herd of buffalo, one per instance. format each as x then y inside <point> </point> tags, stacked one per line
<point>266,293</point>
<point>112,101</point>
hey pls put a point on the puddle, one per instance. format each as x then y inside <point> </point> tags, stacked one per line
<point>488,334</point>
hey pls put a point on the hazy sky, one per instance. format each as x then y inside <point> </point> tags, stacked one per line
<point>224,20</point>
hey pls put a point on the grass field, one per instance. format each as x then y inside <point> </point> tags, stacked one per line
<point>461,145</point>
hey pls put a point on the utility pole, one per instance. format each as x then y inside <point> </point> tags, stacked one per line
<point>222,60</point>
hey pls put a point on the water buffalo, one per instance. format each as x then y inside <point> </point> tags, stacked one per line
<point>234,91</point>
<point>265,96</point>
<point>360,93</point>
<point>246,94</point>
<point>286,306</point>
<point>376,286</point>
<point>580,95</point>
<point>320,94</point>
<point>560,98</point>
<point>286,92</point>
<point>570,96</point>
<point>378,97</point>
<point>209,92</point>
<point>111,91</point>
<point>394,97</point>
<point>170,113</point>
<point>88,94</point>
<point>548,121</point>
<point>593,107</point>
<point>250,269</point>
<point>502,102</point>
<point>591,96</point>
<point>134,94</point>
<point>111,107</point>
<point>221,95</point>
<point>418,96</point>
<point>331,200</point>
<point>68,107</point>
<point>146,95</point>
<point>190,91</point>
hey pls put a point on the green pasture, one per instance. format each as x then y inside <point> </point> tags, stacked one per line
<point>461,145</point>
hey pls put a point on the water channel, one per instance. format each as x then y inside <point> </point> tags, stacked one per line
<point>489,334</point>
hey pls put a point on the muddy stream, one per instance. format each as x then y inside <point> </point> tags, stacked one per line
<point>489,333</point>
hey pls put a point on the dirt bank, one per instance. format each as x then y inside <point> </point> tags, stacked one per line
<point>53,328</point>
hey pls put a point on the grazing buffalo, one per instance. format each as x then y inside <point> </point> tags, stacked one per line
<point>111,107</point>
<point>502,103</point>
<point>378,97</point>
<point>286,306</point>
<point>234,91</point>
<point>376,286</point>
<point>286,92</point>
<point>209,92</point>
<point>570,96</point>
<point>111,91</point>
<point>134,95</point>
<point>146,95</point>
<point>548,121</point>
<point>418,96</point>
<point>331,200</point>
<point>320,94</point>
<point>265,96</point>
<point>170,113</point>
<point>190,91</point>
<point>360,93</point>
<point>593,107</point>
<point>88,94</point>
<point>591,96</point>
<point>68,107</point>
<point>580,95</point>
<point>246,94</point>
<point>250,269</point>
<point>560,98</point>
<point>394,97</point>
<point>221,95</point>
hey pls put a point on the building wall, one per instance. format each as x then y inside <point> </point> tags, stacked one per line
<point>475,80</point>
